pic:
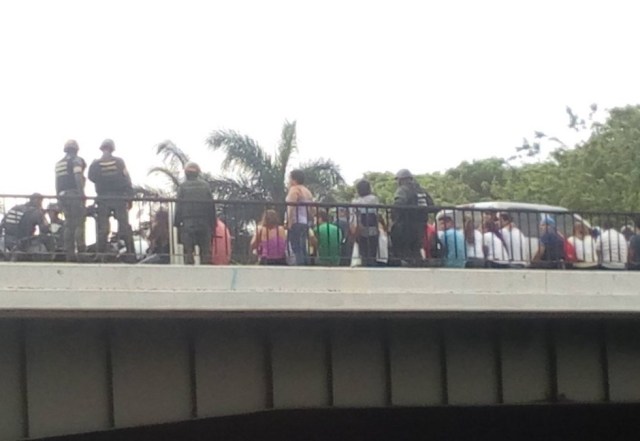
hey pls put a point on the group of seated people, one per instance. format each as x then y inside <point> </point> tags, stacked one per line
<point>457,238</point>
<point>496,241</point>
<point>329,242</point>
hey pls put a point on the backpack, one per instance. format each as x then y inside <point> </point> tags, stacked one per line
<point>433,246</point>
<point>368,223</point>
<point>569,251</point>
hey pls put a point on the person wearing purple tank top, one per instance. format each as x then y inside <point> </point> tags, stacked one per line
<point>270,240</point>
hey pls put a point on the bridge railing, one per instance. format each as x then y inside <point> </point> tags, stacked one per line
<point>343,234</point>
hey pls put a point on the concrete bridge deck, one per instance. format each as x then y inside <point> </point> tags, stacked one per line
<point>91,348</point>
<point>111,290</point>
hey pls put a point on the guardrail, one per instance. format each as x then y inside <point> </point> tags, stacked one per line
<point>251,232</point>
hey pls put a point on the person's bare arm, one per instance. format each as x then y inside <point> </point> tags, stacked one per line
<point>539,254</point>
<point>292,197</point>
<point>254,240</point>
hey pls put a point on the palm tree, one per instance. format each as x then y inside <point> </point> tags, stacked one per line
<point>262,176</point>
<point>259,177</point>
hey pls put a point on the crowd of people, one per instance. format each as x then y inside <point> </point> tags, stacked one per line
<point>412,232</point>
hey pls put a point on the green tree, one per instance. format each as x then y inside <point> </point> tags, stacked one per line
<point>599,174</point>
<point>266,174</point>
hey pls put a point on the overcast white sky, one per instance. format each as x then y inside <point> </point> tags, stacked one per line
<point>373,85</point>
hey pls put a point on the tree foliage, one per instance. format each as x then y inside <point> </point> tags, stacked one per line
<point>266,174</point>
<point>599,174</point>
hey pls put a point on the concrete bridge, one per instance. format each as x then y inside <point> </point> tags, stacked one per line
<point>102,350</point>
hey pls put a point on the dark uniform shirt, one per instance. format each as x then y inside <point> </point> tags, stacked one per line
<point>195,202</point>
<point>21,221</point>
<point>411,195</point>
<point>110,175</point>
<point>66,169</point>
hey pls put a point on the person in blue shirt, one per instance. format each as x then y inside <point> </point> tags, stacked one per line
<point>452,237</point>
<point>550,252</point>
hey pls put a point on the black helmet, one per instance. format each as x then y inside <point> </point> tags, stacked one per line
<point>191,168</point>
<point>70,146</point>
<point>36,197</point>
<point>404,174</point>
<point>108,144</point>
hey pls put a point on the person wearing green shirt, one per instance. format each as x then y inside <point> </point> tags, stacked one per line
<point>329,241</point>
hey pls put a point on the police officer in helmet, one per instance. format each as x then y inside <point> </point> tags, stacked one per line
<point>195,215</point>
<point>70,183</point>
<point>20,222</point>
<point>409,218</point>
<point>113,188</point>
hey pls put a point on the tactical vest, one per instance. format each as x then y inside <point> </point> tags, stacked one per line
<point>12,221</point>
<point>64,175</point>
<point>110,176</point>
<point>197,201</point>
<point>423,199</point>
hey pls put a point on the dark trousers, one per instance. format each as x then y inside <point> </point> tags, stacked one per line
<point>120,211</point>
<point>547,264</point>
<point>368,247</point>
<point>194,233</point>
<point>74,219</point>
<point>298,235</point>
<point>406,241</point>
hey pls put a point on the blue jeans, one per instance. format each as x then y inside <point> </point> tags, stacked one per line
<point>298,234</point>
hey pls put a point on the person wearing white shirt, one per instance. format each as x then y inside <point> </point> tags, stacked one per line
<point>494,247</point>
<point>612,247</point>
<point>583,243</point>
<point>516,243</point>
<point>474,241</point>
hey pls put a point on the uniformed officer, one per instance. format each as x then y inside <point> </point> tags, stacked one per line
<point>20,222</point>
<point>409,218</point>
<point>113,188</point>
<point>195,215</point>
<point>70,190</point>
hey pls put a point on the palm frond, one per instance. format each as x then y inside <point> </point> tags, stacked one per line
<point>237,216</point>
<point>147,191</point>
<point>322,177</point>
<point>171,154</point>
<point>241,152</point>
<point>288,146</point>
<point>234,189</point>
<point>170,174</point>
